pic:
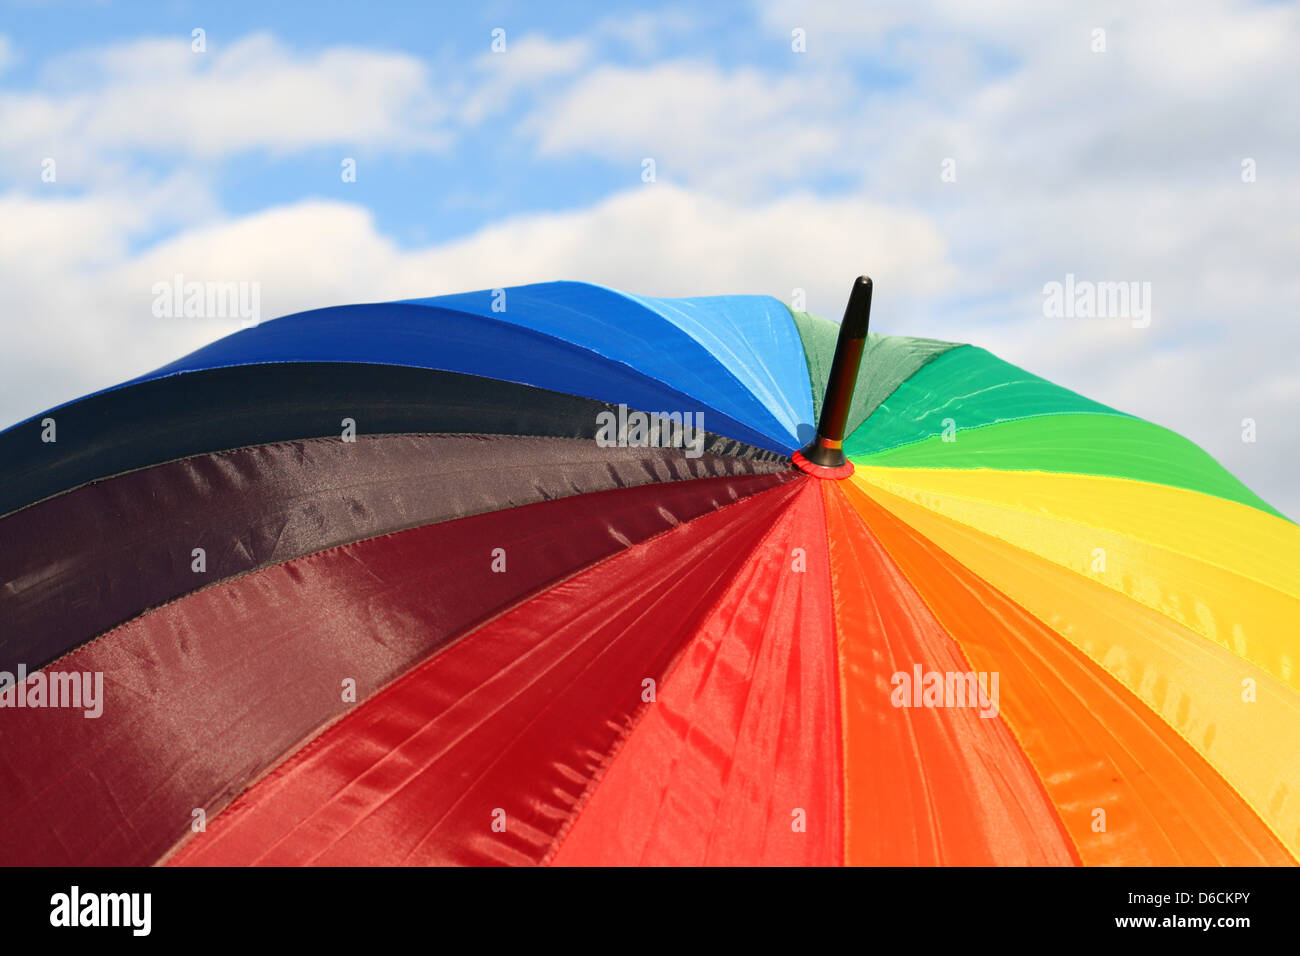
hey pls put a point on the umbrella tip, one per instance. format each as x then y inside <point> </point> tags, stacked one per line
<point>823,457</point>
<point>857,313</point>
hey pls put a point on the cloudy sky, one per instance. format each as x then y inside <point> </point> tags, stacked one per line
<point>963,157</point>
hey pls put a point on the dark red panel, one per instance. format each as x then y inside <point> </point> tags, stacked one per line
<point>75,565</point>
<point>204,694</point>
<point>513,723</point>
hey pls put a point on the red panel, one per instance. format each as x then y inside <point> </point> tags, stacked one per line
<point>203,695</point>
<point>512,723</point>
<point>738,760</point>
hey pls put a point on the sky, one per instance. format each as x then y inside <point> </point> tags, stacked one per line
<point>966,156</point>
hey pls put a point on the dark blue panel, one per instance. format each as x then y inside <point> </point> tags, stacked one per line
<point>740,355</point>
<point>437,338</point>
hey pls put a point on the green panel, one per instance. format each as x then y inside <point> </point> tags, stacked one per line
<point>818,336</point>
<point>887,360</point>
<point>970,387</point>
<point>1089,444</point>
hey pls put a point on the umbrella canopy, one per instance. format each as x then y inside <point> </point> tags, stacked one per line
<point>558,574</point>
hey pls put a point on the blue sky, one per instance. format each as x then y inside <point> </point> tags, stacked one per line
<point>416,195</point>
<point>1101,140</point>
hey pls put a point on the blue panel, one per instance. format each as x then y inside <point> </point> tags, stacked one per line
<point>755,337</point>
<point>736,359</point>
<point>439,338</point>
<point>741,355</point>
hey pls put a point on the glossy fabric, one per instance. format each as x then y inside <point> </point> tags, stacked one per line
<point>565,653</point>
<point>1095,745</point>
<point>1193,684</point>
<point>737,354</point>
<point>516,721</point>
<point>738,761</point>
<point>887,360</point>
<point>941,785</point>
<point>80,563</point>
<point>206,693</point>
<point>972,388</point>
<point>179,416</point>
<point>1228,575</point>
<point>756,340</point>
<point>1084,444</point>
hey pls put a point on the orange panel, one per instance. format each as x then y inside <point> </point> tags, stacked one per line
<point>1094,744</point>
<point>923,785</point>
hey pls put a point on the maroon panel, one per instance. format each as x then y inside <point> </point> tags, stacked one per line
<point>78,564</point>
<point>204,694</point>
<point>483,753</point>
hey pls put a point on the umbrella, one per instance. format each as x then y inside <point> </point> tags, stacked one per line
<point>558,574</point>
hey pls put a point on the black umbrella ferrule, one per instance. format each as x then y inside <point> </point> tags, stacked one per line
<point>826,450</point>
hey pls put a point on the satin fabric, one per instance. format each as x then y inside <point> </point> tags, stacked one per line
<point>1229,575</point>
<point>888,360</point>
<point>1159,689</point>
<point>738,759</point>
<point>923,786</point>
<point>206,693</point>
<point>963,389</point>
<point>1236,716</point>
<point>80,563</point>
<point>568,337</point>
<point>1083,444</point>
<point>1129,789</point>
<point>739,355</point>
<point>968,409</point>
<point>513,724</point>
<point>178,416</point>
<point>755,339</point>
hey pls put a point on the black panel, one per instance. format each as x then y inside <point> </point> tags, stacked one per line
<point>200,412</point>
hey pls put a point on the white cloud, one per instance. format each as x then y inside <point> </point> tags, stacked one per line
<point>1116,166</point>
<point>522,65</point>
<point>665,240</point>
<point>1123,165</point>
<point>730,131</point>
<point>643,33</point>
<point>87,320</point>
<point>156,95</point>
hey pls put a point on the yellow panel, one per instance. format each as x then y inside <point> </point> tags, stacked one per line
<point>1229,572</point>
<point>1199,688</point>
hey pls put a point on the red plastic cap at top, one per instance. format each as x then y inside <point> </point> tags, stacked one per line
<point>821,471</point>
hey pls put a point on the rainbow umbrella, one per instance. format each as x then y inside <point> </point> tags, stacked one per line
<point>556,574</point>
